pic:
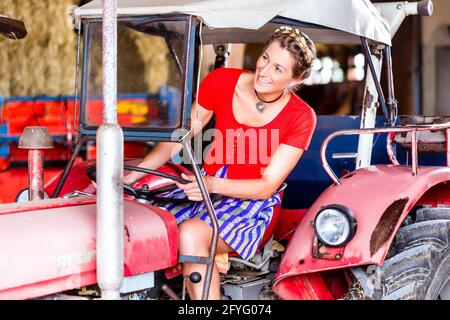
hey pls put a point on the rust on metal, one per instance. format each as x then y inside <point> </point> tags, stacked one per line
<point>127,233</point>
<point>35,175</point>
<point>36,138</point>
<point>349,175</point>
<point>386,225</point>
<point>367,102</point>
<point>320,251</point>
<point>377,51</point>
<point>427,141</point>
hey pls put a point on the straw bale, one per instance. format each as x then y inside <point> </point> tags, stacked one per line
<point>143,64</point>
<point>44,63</point>
<point>154,54</point>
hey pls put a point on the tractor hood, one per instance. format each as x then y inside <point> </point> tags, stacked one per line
<point>49,246</point>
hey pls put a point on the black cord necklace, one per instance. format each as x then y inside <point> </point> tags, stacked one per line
<point>261,104</point>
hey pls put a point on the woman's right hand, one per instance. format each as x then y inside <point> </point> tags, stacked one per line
<point>129,179</point>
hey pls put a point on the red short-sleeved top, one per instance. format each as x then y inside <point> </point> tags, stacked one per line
<point>245,149</point>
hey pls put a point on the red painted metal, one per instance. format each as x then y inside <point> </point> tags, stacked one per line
<point>304,287</point>
<point>16,179</point>
<point>172,230</point>
<point>387,184</point>
<point>14,207</point>
<point>288,223</point>
<point>77,179</point>
<point>173,272</point>
<point>153,181</point>
<point>58,252</point>
<point>336,281</point>
<point>57,116</point>
<point>36,174</point>
<point>437,195</point>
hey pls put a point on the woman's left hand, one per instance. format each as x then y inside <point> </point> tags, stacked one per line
<point>191,189</point>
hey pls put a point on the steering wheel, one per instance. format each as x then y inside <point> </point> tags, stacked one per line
<point>143,192</point>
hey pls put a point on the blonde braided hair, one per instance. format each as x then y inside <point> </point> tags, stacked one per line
<point>299,37</point>
<point>299,45</point>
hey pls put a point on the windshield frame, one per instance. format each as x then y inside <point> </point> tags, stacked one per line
<point>146,133</point>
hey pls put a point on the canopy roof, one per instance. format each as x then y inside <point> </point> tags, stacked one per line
<point>357,17</point>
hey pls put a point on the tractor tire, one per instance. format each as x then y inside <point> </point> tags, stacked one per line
<point>418,265</point>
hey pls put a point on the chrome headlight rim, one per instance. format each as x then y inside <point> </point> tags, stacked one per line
<point>348,214</point>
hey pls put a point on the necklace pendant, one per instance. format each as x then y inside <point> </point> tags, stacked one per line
<point>260,106</point>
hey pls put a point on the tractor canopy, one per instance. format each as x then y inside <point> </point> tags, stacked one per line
<point>360,18</point>
<point>156,105</point>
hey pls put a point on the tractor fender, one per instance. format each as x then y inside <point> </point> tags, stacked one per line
<point>380,197</point>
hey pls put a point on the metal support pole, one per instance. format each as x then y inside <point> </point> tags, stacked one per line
<point>369,112</point>
<point>35,140</point>
<point>222,53</point>
<point>212,217</point>
<point>77,76</point>
<point>375,75</point>
<point>35,175</point>
<point>392,103</point>
<point>414,156</point>
<point>110,169</point>
<point>447,132</point>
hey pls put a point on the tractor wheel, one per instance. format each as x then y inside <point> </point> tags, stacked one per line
<point>418,267</point>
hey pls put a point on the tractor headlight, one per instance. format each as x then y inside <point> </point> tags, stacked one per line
<point>335,225</point>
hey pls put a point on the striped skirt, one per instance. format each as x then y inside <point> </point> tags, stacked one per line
<point>242,222</point>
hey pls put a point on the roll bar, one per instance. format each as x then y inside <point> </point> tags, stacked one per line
<point>407,128</point>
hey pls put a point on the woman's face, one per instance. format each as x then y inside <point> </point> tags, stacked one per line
<point>274,69</point>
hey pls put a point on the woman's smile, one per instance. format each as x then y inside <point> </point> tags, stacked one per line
<point>262,81</point>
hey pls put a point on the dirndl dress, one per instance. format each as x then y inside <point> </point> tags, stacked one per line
<point>242,222</point>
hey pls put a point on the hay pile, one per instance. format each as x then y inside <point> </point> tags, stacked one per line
<point>154,54</point>
<point>142,63</point>
<point>44,61</point>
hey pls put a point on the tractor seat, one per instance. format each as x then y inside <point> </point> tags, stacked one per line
<point>275,218</point>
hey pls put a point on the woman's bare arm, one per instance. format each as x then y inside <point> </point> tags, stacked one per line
<point>164,151</point>
<point>282,163</point>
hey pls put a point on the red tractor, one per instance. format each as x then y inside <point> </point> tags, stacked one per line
<point>378,232</point>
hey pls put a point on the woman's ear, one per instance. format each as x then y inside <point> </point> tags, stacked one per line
<point>296,82</point>
<point>300,79</point>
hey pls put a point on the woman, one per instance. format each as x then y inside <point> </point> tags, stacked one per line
<point>260,107</point>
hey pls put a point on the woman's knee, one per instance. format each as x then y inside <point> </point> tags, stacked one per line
<point>194,236</point>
